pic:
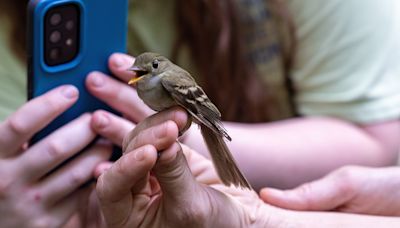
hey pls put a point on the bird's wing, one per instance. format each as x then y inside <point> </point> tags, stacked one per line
<point>188,94</point>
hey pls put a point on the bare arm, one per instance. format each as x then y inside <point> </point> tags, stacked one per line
<point>334,219</point>
<point>287,153</point>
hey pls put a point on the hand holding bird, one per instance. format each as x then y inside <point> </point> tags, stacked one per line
<point>162,85</point>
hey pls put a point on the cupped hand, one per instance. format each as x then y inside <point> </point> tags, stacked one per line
<point>32,192</point>
<point>159,183</point>
<point>117,93</point>
<point>351,189</point>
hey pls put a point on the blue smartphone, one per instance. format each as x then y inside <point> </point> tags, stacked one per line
<point>67,39</point>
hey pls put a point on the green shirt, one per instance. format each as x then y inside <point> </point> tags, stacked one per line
<point>12,73</point>
<point>348,58</point>
<point>346,64</point>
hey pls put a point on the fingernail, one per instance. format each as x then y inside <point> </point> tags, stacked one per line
<point>102,121</point>
<point>119,60</point>
<point>122,61</point>
<point>97,79</point>
<point>70,92</point>
<point>139,155</point>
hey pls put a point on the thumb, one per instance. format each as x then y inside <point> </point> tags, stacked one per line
<point>174,175</point>
<point>324,194</point>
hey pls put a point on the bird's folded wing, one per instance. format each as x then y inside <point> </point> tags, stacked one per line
<point>188,94</point>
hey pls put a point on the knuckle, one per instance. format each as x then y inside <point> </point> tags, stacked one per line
<point>345,179</point>
<point>77,177</point>
<point>306,192</point>
<point>5,188</point>
<point>55,149</point>
<point>345,174</point>
<point>17,126</point>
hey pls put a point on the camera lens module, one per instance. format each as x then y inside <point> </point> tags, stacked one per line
<point>55,36</point>
<point>54,53</point>
<point>55,19</point>
<point>61,34</point>
<point>69,25</point>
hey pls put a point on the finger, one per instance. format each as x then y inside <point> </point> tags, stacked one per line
<point>160,136</point>
<point>173,175</point>
<point>110,126</point>
<point>33,116</point>
<point>325,194</point>
<point>119,63</point>
<point>116,183</point>
<point>56,148</point>
<point>176,114</point>
<point>118,95</point>
<point>76,173</point>
<point>102,168</point>
<point>60,213</point>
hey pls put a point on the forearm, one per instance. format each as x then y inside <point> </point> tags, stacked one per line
<point>333,219</point>
<point>269,216</point>
<point>287,153</point>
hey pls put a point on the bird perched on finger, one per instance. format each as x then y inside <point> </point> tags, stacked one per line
<point>162,85</point>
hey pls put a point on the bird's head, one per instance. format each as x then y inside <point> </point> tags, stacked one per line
<point>148,64</point>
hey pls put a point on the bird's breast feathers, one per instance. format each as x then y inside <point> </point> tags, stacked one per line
<point>154,94</point>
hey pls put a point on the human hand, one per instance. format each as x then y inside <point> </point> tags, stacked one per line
<point>118,94</point>
<point>350,189</point>
<point>32,192</point>
<point>143,189</point>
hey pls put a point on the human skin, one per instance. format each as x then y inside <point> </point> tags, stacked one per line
<point>311,147</point>
<point>180,188</point>
<point>130,196</point>
<point>350,189</point>
<point>32,193</point>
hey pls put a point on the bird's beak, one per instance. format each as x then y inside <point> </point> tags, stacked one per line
<point>134,80</point>
<point>135,68</point>
<point>139,72</point>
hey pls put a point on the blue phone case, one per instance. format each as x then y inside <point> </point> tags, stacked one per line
<point>103,26</point>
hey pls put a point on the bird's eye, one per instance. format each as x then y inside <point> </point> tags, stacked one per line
<point>155,64</point>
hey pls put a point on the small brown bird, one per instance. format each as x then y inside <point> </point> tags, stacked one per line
<point>162,84</point>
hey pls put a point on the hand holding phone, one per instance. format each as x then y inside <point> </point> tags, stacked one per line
<point>33,193</point>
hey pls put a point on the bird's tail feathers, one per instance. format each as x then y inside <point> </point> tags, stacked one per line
<point>223,160</point>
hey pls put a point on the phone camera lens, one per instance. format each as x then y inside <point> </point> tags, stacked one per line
<point>54,53</point>
<point>69,41</point>
<point>55,19</point>
<point>55,36</point>
<point>70,25</point>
